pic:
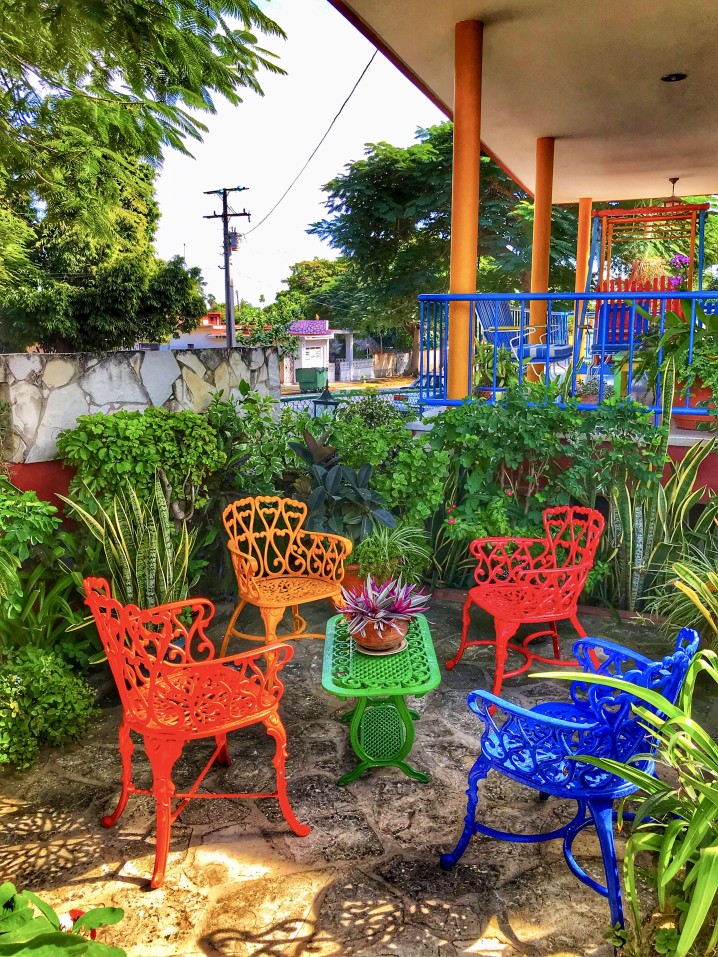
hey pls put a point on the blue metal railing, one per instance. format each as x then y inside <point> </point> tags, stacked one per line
<point>603,327</point>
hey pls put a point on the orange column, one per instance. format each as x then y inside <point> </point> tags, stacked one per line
<point>541,240</point>
<point>468,43</point>
<point>583,245</point>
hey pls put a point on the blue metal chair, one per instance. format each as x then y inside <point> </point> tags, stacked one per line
<point>499,325</point>
<point>537,748</point>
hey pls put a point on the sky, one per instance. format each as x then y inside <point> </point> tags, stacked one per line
<point>263,142</point>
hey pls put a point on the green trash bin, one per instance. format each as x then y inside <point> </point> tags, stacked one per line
<point>312,380</point>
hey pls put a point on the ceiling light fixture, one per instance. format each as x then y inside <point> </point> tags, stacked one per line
<point>674,77</point>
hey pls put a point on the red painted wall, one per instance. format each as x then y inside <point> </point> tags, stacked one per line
<point>708,471</point>
<point>48,479</point>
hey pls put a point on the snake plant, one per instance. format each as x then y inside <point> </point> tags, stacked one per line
<point>148,559</point>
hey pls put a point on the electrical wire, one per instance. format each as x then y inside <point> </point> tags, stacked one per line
<point>316,148</point>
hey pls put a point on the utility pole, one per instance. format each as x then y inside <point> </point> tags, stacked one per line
<point>225,216</point>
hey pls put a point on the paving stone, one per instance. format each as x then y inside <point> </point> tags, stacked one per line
<point>366,881</point>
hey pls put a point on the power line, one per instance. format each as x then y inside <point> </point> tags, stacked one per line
<point>316,148</point>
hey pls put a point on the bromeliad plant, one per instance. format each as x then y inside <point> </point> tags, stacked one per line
<point>378,607</point>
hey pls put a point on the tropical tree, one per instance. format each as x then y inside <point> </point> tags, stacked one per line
<point>89,89</point>
<point>83,292</point>
<point>390,218</point>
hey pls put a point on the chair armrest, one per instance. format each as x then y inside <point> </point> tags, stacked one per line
<point>585,653</point>
<point>259,668</point>
<point>321,554</point>
<point>245,568</point>
<point>481,701</point>
<point>274,656</point>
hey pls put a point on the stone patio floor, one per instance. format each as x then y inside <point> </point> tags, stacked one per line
<point>366,881</point>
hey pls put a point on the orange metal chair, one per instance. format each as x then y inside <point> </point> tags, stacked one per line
<point>173,689</point>
<point>530,581</point>
<point>279,564</point>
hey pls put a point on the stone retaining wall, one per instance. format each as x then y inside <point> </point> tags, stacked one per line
<point>47,393</point>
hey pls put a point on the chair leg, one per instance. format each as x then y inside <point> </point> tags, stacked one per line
<point>275,728</point>
<point>505,630</point>
<point>479,771</point>
<point>271,618</point>
<point>554,639</point>
<point>465,622</point>
<point>230,627</point>
<point>602,814</point>
<point>162,754</point>
<point>578,626</point>
<point>223,757</point>
<point>126,749</point>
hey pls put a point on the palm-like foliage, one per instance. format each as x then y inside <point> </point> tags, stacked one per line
<point>676,820</point>
<point>148,559</point>
<point>9,581</point>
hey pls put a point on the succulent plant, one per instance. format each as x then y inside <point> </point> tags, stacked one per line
<point>382,605</point>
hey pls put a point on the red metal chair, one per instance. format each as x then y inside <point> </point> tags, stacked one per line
<point>174,690</point>
<point>530,581</point>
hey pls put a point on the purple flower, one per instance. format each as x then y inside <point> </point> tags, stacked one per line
<point>674,282</point>
<point>679,261</point>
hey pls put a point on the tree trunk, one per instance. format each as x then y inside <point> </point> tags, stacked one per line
<point>415,331</point>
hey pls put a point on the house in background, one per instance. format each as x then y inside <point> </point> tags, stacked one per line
<point>313,352</point>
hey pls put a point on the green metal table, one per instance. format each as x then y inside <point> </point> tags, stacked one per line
<point>381,726</point>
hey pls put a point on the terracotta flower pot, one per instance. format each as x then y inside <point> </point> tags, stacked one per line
<point>699,393</point>
<point>391,637</point>
<point>351,581</point>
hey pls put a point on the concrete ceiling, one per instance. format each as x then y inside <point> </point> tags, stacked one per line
<point>584,71</point>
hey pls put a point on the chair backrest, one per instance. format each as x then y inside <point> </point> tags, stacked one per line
<point>264,529</point>
<point>614,708</point>
<point>502,331</point>
<point>573,533</point>
<point>143,645</point>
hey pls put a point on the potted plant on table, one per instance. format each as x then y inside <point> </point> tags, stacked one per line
<point>378,616</point>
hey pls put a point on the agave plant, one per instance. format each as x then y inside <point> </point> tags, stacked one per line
<point>149,561</point>
<point>383,605</point>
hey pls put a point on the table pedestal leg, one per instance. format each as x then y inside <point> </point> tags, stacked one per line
<point>382,734</point>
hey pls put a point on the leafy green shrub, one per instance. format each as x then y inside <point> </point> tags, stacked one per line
<point>110,450</point>
<point>373,411</point>
<point>393,552</point>
<point>513,459</point>
<point>42,602</point>
<point>255,444</point>
<point>676,820</point>
<point>41,701</point>
<point>408,473</point>
<point>29,925</point>
<point>25,520</point>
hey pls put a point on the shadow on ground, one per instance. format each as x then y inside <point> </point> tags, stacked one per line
<point>366,880</point>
